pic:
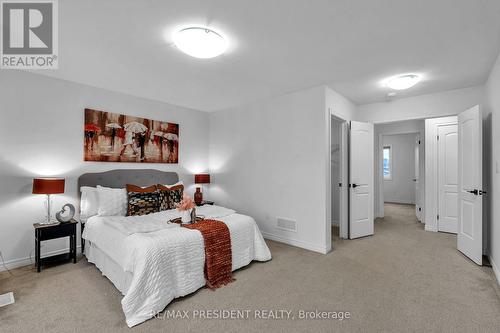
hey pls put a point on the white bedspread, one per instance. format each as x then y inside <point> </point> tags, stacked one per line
<point>167,261</point>
<point>129,225</point>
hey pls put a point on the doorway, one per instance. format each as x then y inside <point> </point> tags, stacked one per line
<point>399,168</point>
<point>399,165</point>
<point>350,179</point>
<point>338,177</point>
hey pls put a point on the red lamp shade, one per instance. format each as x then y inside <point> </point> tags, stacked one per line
<point>48,185</point>
<point>202,178</point>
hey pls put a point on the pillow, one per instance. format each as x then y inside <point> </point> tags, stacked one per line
<point>172,185</point>
<point>89,202</point>
<point>142,200</point>
<point>170,196</point>
<point>112,201</point>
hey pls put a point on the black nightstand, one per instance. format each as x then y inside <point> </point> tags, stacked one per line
<point>51,231</point>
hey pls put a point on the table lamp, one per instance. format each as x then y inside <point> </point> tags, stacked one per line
<point>200,179</point>
<point>48,186</point>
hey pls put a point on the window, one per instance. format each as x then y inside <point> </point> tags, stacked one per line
<point>387,163</point>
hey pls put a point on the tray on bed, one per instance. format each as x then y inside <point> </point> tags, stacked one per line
<point>178,220</point>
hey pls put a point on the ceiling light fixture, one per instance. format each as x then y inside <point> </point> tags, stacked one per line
<point>200,42</point>
<point>402,82</point>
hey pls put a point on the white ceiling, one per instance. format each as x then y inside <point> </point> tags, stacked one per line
<point>277,47</point>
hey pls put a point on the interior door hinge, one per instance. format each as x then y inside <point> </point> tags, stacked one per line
<point>438,217</point>
<point>438,137</point>
<point>419,209</point>
<point>418,141</point>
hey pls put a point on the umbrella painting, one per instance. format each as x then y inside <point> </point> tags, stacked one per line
<point>113,137</point>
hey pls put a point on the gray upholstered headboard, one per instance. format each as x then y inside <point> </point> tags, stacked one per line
<point>120,177</point>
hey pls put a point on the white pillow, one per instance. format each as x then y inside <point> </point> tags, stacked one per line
<point>89,202</point>
<point>112,201</point>
<point>172,185</point>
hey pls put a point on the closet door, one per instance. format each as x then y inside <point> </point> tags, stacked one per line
<point>448,178</point>
<point>361,177</point>
<point>470,184</point>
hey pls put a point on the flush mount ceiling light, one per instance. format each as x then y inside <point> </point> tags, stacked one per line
<point>200,42</point>
<point>402,82</point>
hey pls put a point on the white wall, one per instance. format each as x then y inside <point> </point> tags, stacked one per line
<point>42,135</point>
<point>401,188</point>
<point>340,106</point>
<point>425,106</point>
<point>400,127</point>
<point>271,159</point>
<point>491,172</point>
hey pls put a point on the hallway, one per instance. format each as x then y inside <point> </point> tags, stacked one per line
<point>421,274</point>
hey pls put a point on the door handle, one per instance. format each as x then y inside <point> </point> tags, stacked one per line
<point>475,192</point>
<point>354,185</point>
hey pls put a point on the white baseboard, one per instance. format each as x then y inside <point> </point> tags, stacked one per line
<point>20,262</point>
<point>496,269</point>
<point>430,228</point>
<point>295,242</point>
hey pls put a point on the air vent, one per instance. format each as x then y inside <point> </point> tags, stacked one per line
<point>286,224</point>
<point>6,299</point>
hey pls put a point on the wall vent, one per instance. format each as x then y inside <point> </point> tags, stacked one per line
<point>6,299</point>
<point>286,224</point>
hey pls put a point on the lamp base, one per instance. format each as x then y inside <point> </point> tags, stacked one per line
<point>198,197</point>
<point>49,219</point>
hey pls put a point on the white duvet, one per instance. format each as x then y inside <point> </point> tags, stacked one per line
<point>167,261</point>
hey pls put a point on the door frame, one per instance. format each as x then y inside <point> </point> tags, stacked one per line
<point>417,179</point>
<point>330,115</point>
<point>379,160</point>
<point>431,169</point>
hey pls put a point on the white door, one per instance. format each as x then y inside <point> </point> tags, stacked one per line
<point>361,177</point>
<point>416,179</point>
<point>447,178</point>
<point>470,184</point>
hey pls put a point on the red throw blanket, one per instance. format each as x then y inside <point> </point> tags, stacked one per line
<point>218,255</point>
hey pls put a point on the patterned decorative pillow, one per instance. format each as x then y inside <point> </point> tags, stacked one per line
<point>142,201</point>
<point>170,196</point>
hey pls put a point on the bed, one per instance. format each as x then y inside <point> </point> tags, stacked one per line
<point>150,261</point>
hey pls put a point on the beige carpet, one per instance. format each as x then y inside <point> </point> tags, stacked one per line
<point>402,279</point>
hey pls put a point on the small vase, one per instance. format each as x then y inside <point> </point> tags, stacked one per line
<point>186,216</point>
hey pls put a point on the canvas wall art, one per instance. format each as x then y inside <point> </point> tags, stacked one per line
<point>113,137</point>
